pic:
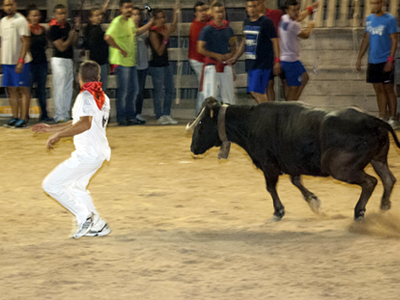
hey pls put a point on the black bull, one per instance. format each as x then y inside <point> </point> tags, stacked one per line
<point>291,138</point>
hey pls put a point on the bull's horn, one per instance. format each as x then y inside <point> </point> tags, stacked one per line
<point>191,126</point>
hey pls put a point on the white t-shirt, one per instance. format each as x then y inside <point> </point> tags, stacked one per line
<point>92,143</point>
<point>288,39</point>
<point>11,31</point>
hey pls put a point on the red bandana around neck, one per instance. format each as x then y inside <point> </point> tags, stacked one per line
<point>53,22</point>
<point>35,29</point>
<point>94,88</point>
<point>225,24</point>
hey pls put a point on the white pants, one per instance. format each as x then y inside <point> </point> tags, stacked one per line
<point>62,69</point>
<point>219,85</point>
<point>67,184</point>
<point>198,69</point>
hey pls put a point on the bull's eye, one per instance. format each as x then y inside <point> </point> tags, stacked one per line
<point>199,122</point>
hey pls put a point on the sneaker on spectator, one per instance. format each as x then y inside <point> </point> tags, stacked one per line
<point>84,228</point>
<point>21,123</point>
<point>47,120</point>
<point>393,123</point>
<point>140,118</point>
<point>11,122</point>
<point>133,122</point>
<point>123,123</point>
<point>170,120</point>
<point>163,120</point>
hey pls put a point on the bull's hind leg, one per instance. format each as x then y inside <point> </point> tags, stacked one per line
<point>382,169</point>
<point>271,178</point>
<point>362,179</point>
<point>312,200</point>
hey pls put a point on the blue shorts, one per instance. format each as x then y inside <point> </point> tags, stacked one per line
<point>12,79</point>
<point>293,72</point>
<point>257,80</point>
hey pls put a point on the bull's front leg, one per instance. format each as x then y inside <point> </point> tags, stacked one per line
<point>271,178</point>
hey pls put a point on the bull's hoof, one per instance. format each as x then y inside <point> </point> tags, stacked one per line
<point>278,215</point>
<point>386,205</point>
<point>359,216</point>
<point>275,218</point>
<point>359,219</point>
<point>315,205</point>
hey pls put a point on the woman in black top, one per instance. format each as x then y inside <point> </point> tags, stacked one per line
<point>160,69</point>
<point>94,42</point>
<point>39,67</point>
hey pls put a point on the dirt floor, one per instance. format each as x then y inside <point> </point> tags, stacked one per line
<point>185,228</point>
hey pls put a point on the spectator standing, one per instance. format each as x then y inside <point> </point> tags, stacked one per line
<point>262,51</point>
<point>142,63</point>
<point>196,59</point>
<point>160,69</point>
<point>121,36</point>
<point>217,43</point>
<point>94,42</point>
<point>290,33</point>
<point>381,37</point>
<point>15,59</point>
<point>39,69</point>
<point>275,15</point>
<point>63,38</point>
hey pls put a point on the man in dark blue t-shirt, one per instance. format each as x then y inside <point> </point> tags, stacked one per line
<point>217,43</point>
<point>261,45</point>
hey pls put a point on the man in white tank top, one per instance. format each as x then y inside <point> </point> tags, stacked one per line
<point>67,183</point>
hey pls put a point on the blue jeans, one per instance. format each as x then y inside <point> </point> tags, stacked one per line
<point>104,72</point>
<point>162,78</point>
<point>39,76</point>
<point>127,89</point>
<point>142,75</point>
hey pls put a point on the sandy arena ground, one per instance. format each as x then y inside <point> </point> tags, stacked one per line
<point>185,228</point>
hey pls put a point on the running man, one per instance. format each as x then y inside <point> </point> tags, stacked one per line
<point>217,43</point>
<point>67,183</point>
<point>262,51</point>
<point>290,33</point>
<point>381,38</point>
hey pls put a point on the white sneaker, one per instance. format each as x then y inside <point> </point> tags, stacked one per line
<point>170,120</point>
<point>102,232</point>
<point>393,123</point>
<point>83,228</point>
<point>140,118</point>
<point>163,120</point>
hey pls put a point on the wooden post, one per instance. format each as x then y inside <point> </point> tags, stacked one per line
<point>367,11</point>
<point>330,20</point>
<point>355,22</point>
<point>319,17</point>
<point>393,8</point>
<point>344,12</point>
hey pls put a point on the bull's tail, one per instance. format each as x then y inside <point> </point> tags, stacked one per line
<point>382,123</point>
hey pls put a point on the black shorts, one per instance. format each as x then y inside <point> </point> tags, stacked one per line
<point>375,74</point>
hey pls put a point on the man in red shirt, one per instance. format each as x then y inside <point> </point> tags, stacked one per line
<point>202,17</point>
<point>275,15</point>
